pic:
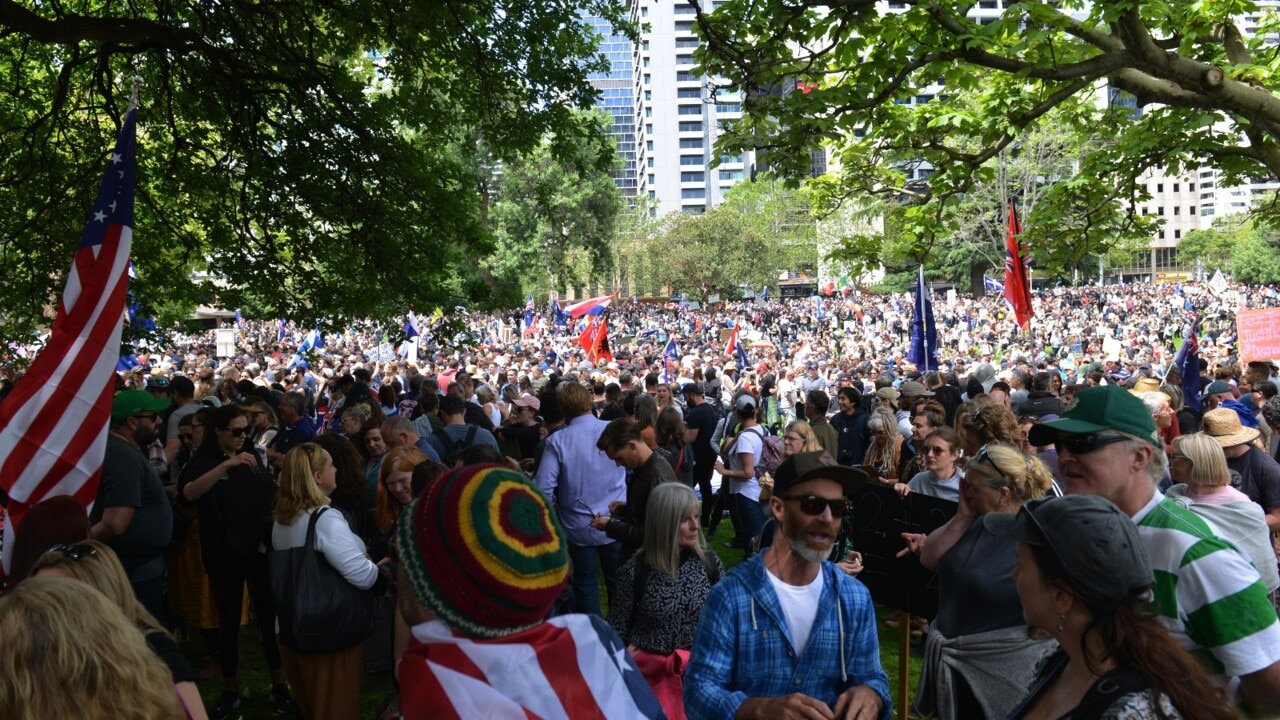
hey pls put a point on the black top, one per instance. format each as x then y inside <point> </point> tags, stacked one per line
<point>1117,695</point>
<point>629,525</point>
<point>129,480</point>
<point>167,650</point>
<point>704,419</point>
<point>235,515</point>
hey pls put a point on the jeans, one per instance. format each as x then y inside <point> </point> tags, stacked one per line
<point>702,473</point>
<point>587,561</point>
<point>750,517</point>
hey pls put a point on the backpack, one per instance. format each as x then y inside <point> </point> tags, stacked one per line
<point>770,453</point>
<point>452,447</point>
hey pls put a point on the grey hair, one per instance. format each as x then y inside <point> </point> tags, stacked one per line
<point>883,420</point>
<point>1158,466</point>
<point>669,504</point>
<point>1154,401</point>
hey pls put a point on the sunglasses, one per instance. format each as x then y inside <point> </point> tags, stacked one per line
<point>1085,444</point>
<point>984,456</point>
<point>935,450</point>
<point>236,432</point>
<point>74,551</point>
<point>814,505</point>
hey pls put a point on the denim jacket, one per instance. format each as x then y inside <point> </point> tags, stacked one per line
<point>743,649</point>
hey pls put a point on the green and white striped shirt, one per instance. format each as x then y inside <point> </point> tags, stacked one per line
<point>1207,594</point>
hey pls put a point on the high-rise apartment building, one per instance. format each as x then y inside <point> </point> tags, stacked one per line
<point>677,119</point>
<point>617,97</point>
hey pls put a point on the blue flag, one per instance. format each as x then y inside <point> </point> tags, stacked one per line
<point>557,312</point>
<point>991,284</point>
<point>411,327</point>
<point>924,335</point>
<point>1188,362</point>
<point>670,356</point>
<point>281,331</point>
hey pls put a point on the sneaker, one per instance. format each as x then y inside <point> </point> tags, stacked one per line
<point>281,701</point>
<point>226,706</point>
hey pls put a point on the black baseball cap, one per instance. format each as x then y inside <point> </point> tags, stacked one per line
<point>819,465</point>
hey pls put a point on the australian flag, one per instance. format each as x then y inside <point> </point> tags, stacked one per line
<point>1188,362</point>
<point>528,317</point>
<point>670,358</point>
<point>557,312</point>
<point>924,334</point>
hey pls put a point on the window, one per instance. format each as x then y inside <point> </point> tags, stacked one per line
<point>690,110</point>
<point>685,76</point>
<point>690,143</point>
<point>1206,211</point>
<point>650,162</point>
<point>730,174</point>
<point>646,78</point>
<point>730,159</point>
<point>694,209</point>
<point>690,159</point>
<point>1191,210</point>
<point>689,93</point>
<point>651,181</point>
<point>1177,209</point>
<point>693,177</point>
<point>693,193</point>
<point>648,112</point>
<point>683,9</point>
<point>648,96</point>
<point>1176,187</point>
<point>1177,234</point>
<point>728,107</point>
<point>684,26</point>
<point>683,43</point>
<point>1193,187</point>
<point>648,146</point>
<point>1160,210</point>
<point>648,129</point>
<point>1159,235</point>
<point>1160,188</point>
<point>691,126</point>
<point>646,62</point>
<point>684,59</point>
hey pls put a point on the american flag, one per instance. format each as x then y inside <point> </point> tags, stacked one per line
<point>53,426</point>
<point>569,666</point>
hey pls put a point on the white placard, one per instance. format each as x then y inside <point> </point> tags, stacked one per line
<point>225,338</point>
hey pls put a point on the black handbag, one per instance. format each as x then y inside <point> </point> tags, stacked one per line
<point>318,609</point>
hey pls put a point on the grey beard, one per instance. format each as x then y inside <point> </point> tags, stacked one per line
<point>801,548</point>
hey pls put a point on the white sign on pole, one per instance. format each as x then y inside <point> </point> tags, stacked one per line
<point>225,339</point>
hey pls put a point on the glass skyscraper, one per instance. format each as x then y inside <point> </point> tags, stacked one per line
<point>617,97</point>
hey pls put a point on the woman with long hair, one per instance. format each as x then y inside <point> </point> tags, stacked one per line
<point>70,652</point>
<point>660,591</point>
<point>263,424</point>
<point>327,684</point>
<point>646,415</point>
<point>885,449</point>
<point>673,443</point>
<point>351,494</point>
<point>97,565</point>
<point>232,488</point>
<point>942,473</point>
<point>1084,578</point>
<point>395,492</point>
<point>666,400</point>
<point>977,656</point>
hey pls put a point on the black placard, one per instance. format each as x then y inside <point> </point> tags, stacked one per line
<point>875,523</point>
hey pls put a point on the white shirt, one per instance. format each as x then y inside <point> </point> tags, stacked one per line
<point>799,607</point>
<point>334,539</point>
<point>750,440</point>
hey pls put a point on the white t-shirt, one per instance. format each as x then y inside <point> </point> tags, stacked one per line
<point>799,607</point>
<point>749,441</point>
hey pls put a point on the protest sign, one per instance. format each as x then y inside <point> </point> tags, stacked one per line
<point>1259,334</point>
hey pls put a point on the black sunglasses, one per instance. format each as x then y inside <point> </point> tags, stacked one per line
<point>1085,444</point>
<point>74,551</point>
<point>236,432</point>
<point>814,505</point>
<point>983,456</point>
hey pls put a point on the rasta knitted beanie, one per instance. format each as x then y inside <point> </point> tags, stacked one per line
<point>483,549</point>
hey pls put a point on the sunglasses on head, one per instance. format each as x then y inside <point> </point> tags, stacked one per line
<point>1085,444</point>
<point>984,456</point>
<point>74,551</point>
<point>814,505</point>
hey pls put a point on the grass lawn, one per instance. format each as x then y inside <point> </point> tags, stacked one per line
<point>255,683</point>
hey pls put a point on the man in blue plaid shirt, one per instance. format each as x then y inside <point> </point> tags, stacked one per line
<point>786,635</point>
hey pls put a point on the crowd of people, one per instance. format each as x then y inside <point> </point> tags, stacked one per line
<point>511,493</point>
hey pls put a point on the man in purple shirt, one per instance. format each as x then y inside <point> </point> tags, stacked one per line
<point>581,482</point>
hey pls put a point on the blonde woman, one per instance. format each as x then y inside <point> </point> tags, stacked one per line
<point>1203,485</point>
<point>95,564</point>
<point>885,451</point>
<point>325,685</point>
<point>70,652</point>
<point>978,658</point>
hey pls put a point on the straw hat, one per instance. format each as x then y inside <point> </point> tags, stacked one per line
<point>1223,425</point>
<point>1145,385</point>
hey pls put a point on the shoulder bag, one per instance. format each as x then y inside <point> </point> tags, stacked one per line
<point>319,610</point>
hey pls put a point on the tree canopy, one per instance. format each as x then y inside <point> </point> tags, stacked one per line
<point>315,158</point>
<point>921,85</point>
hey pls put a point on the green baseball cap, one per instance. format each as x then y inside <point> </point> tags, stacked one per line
<point>128,403</point>
<point>1109,407</point>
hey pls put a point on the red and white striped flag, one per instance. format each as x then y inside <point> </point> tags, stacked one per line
<point>53,426</point>
<point>571,666</point>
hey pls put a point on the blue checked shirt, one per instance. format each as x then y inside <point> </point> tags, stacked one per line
<point>743,649</point>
